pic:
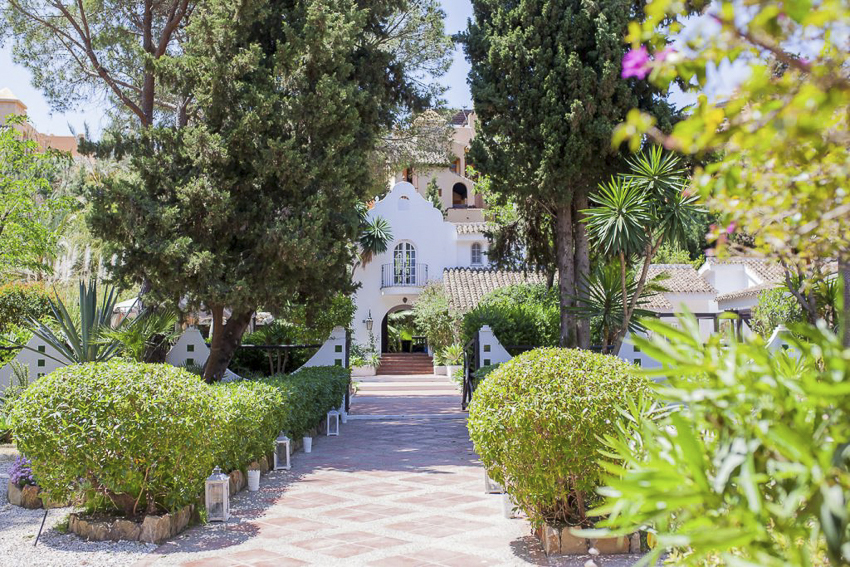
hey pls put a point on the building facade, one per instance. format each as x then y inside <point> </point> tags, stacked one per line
<point>10,105</point>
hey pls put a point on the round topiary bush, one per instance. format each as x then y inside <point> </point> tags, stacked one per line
<point>535,422</point>
<point>131,437</point>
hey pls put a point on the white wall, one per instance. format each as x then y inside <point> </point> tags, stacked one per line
<point>412,219</point>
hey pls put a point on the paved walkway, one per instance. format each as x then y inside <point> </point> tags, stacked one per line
<point>400,486</point>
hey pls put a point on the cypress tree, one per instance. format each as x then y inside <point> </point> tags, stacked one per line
<point>547,90</point>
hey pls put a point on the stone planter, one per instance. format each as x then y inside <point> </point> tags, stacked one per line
<point>439,370</point>
<point>363,371</point>
<point>560,541</point>
<point>30,497</point>
<point>151,529</point>
<point>452,369</point>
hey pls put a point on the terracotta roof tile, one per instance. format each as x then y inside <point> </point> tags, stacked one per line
<point>467,286</point>
<point>471,227</point>
<point>747,292</point>
<point>681,278</point>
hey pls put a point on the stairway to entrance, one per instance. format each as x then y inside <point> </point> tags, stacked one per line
<point>405,363</point>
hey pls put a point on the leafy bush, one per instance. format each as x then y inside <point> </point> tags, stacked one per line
<point>452,355</point>
<point>308,395</point>
<point>132,437</point>
<point>251,416</point>
<point>21,301</point>
<point>754,467</point>
<point>519,315</point>
<point>433,317</point>
<point>535,422</point>
<point>775,307</point>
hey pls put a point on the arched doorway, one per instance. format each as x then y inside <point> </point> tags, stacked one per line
<point>391,343</point>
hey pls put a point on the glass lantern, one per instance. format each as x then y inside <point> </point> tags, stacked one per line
<point>217,496</point>
<point>281,453</point>
<point>333,430</point>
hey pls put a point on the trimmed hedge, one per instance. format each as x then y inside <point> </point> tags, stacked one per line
<point>120,432</point>
<point>124,432</point>
<point>536,422</point>
<point>19,302</point>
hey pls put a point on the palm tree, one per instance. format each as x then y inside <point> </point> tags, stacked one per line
<point>635,214</point>
<point>375,235</point>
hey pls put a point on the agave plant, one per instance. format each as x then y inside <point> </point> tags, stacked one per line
<point>78,334</point>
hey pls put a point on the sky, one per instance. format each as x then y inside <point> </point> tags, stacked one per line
<point>17,78</point>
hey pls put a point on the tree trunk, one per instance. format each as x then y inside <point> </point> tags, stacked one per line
<point>844,274</point>
<point>566,273</point>
<point>582,264</point>
<point>226,338</point>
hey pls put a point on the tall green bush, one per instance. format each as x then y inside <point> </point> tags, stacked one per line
<point>775,307</point>
<point>308,395</point>
<point>536,422</point>
<point>21,301</point>
<point>519,315</point>
<point>434,317</point>
<point>132,437</point>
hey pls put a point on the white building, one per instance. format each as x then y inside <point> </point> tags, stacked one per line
<point>424,246</point>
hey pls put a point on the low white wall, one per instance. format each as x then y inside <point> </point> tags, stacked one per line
<point>490,350</point>
<point>332,353</point>
<point>38,356</point>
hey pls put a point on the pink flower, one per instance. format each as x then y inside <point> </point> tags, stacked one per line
<point>731,228</point>
<point>636,63</point>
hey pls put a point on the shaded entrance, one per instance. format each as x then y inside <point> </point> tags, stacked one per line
<point>399,333</point>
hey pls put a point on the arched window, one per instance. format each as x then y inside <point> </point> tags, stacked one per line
<point>404,264</point>
<point>476,259</point>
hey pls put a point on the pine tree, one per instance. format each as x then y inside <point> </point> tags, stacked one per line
<point>547,91</point>
<point>253,202</point>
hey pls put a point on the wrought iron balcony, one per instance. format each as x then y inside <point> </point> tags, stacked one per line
<point>404,275</point>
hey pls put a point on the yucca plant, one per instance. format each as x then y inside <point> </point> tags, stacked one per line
<point>78,335</point>
<point>635,214</point>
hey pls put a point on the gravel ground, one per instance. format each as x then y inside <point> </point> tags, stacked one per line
<point>18,528</point>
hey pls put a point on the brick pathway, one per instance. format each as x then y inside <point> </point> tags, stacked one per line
<point>400,486</point>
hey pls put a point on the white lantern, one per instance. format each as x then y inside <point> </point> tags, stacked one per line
<point>217,496</point>
<point>333,414</point>
<point>281,453</point>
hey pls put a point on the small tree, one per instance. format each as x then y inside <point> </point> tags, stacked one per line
<point>775,307</point>
<point>432,193</point>
<point>637,212</point>
<point>434,317</point>
<point>27,201</point>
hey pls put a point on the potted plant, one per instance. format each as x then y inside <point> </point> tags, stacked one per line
<point>439,363</point>
<point>364,361</point>
<point>453,357</point>
<point>254,477</point>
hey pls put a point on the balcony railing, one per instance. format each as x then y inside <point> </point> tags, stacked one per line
<point>404,275</point>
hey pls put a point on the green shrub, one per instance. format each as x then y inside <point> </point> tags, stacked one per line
<point>251,414</point>
<point>120,432</point>
<point>308,395</point>
<point>535,421</point>
<point>19,302</point>
<point>519,315</point>
<point>775,307</point>
<point>434,318</point>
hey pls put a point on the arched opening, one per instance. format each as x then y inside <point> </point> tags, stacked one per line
<point>459,195</point>
<point>398,330</point>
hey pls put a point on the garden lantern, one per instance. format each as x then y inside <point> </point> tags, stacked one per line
<point>218,496</point>
<point>333,414</point>
<point>281,453</point>
<point>369,322</point>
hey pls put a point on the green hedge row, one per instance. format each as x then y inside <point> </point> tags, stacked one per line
<point>143,437</point>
